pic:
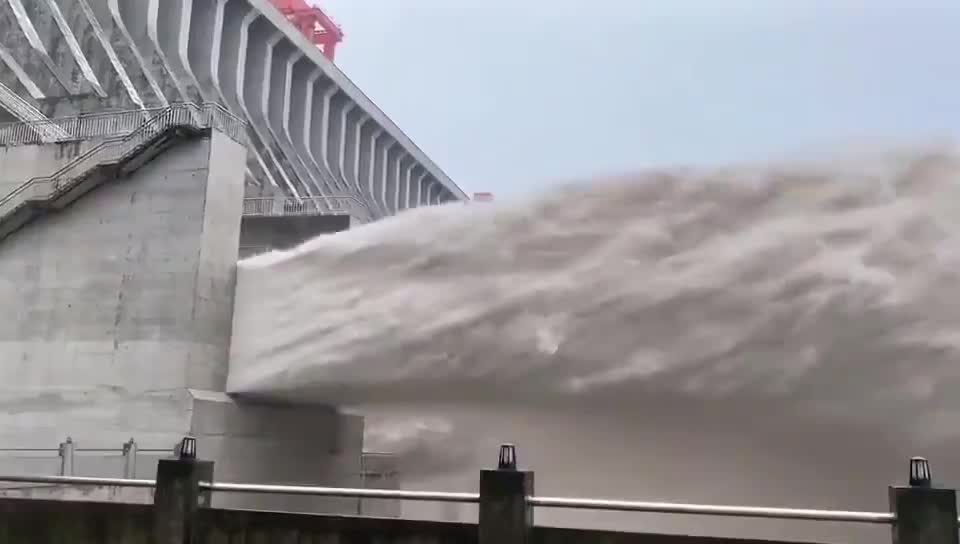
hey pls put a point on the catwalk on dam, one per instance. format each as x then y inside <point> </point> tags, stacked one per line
<point>777,334</point>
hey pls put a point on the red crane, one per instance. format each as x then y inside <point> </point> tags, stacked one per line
<point>313,23</point>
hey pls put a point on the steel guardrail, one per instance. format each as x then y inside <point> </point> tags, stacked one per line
<point>77,127</point>
<point>714,510</point>
<point>316,205</point>
<point>39,126</point>
<point>804,514</point>
<point>200,117</point>
<point>78,480</point>
<point>345,492</point>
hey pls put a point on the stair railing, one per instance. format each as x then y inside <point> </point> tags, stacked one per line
<point>33,122</point>
<point>314,205</point>
<point>116,149</point>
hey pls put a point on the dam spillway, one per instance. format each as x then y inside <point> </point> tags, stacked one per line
<point>145,146</point>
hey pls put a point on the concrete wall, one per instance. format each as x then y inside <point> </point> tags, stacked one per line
<point>119,314</point>
<point>295,445</point>
<point>93,523</point>
<point>130,287</point>
<point>29,521</point>
<point>19,164</point>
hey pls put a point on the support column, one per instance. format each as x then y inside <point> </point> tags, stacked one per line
<point>178,497</point>
<point>406,182</point>
<point>506,516</point>
<point>390,157</point>
<point>421,181</point>
<point>377,165</point>
<point>351,167</point>
<point>402,173</point>
<point>924,514</point>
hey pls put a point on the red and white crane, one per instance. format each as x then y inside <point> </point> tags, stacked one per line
<point>313,23</point>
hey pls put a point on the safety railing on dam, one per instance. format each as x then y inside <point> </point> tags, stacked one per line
<point>40,127</point>
<point>119,126</point>
<point>78,127</point>
<point>109,124</point>
<point>183,488</point>
<point>317,205</point>
<point>117,150</point>
<point>72,463</point>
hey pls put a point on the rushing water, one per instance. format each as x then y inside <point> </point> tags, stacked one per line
<point>775,334</point>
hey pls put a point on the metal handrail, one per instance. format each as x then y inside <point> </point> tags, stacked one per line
<point>346,492</point>
<point>31,116</point>
<point>556,502</point>
<point>76,127</point>
<point>316,205</point>
<point>113,150</point>
<point>78,480</point>
<point>474,498</point>
<point>714,510</point>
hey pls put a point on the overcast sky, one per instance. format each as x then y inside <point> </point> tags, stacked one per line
<point>511,95</point>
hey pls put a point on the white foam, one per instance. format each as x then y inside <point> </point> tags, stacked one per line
<point>786,318</point>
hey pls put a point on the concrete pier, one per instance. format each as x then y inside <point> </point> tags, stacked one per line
<point>121,308</point>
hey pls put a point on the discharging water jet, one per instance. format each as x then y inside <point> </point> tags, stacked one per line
<point>680,332</point>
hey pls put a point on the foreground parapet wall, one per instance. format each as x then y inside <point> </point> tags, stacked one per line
<point>311,130</point>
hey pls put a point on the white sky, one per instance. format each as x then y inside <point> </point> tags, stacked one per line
<point>511,95</point>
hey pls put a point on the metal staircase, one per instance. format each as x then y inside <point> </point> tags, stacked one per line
<point>114,157</point>
<point>23,110</point>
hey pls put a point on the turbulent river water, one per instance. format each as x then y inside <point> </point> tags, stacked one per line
<point>778,334</point>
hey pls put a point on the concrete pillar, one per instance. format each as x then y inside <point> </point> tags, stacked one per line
<point>407,165</point>
<point>344,139</point>
<point>389,174</point>
<point>421,181</point>
<point>924,514</point>
<point>314,128</point>
<point>330,107</point>
<point>353,122</point>
<point>506,516</point>
<point>377,160</point>
<point>178,496</point>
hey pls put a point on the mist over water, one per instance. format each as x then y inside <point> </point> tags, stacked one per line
<point>772,334</point>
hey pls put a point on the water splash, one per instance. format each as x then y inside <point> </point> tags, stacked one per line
<point>770,304</point>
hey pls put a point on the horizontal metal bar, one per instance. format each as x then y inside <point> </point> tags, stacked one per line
<point>355,493</point>
<point>543,502</point>
<point>713,510</point>
<point>77,480</point>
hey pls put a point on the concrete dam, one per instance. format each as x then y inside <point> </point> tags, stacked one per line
<point>146,146</point>
<point>679,336</point>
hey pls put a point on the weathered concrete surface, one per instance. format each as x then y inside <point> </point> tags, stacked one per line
<point>76,522</point>
<point>136,276</point>
<point>119,322</point>
<point>311,130</point>
<point>296,445</point>
<point>98,523</point>
<point>19,164</point>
